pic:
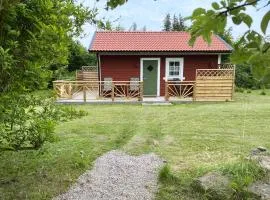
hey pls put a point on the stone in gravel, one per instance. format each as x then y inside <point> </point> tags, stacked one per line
<point>258,151</point>
<point>215,185</point>
<point>264,161</point>
<point>260,189</point>
<point>118,176</point>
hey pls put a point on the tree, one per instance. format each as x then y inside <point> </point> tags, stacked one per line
<point>167,25</point>
<point>35,35</point>
<point>119,28</point>
<point>175,24</point>
<point>133,27</point>
<point>227,36</point>
<point>252,48</point>
<point>182,25</point>
<point>104,25</point>
<point>144,28</point>
<point>79,56</point>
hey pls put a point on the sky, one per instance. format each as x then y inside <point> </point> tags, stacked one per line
<point>151,13</point>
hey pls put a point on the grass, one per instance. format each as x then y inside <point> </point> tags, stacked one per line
<point>193,138</point>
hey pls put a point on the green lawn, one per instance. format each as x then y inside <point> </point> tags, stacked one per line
<point>193,138</point>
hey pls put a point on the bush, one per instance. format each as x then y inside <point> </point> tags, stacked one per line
<point>244,77</point>
<point>28,121</point>
<point>263,92</point>
<point>241,90</point>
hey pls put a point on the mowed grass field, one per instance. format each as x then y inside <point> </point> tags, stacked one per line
<point>193,138</point>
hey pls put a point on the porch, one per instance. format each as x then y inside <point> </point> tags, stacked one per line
<point>209,85</point>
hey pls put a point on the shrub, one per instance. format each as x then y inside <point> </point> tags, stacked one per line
<point>241,90</point>
<point>263,92</point>
<point>28,121</point>
<point>244,77</point>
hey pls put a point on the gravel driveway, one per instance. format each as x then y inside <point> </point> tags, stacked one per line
<point>116,175</point>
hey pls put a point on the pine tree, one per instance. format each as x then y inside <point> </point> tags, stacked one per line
<point>182,26</point>
<point>144,28</point>
<point>175,24</point>
<point>133,27</point>
<point>167,24</point>
<point>119,28</point>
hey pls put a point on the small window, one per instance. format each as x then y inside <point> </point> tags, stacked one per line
<point>174,67</point>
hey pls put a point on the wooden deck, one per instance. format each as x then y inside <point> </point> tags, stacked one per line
<point>210,85</point>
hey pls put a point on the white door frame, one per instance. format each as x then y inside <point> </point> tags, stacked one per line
<point>158,72</point>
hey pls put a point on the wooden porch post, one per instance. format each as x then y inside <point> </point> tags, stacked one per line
<point>69,90</point>
<point>233,84</point>
<point>112,91</point>
<point>166,91</point>
<point>141,91</point>
<point>84,93</point>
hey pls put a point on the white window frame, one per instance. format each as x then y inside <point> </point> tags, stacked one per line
<point>180,76</point>
<point>158,72</point>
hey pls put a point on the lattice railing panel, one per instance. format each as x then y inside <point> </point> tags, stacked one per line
<point>226,66</point>
<point>90,68</point>
<point>214,73</point>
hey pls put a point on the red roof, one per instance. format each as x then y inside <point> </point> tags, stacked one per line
<point>154,41</point>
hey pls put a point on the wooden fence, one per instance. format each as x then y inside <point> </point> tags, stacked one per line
<point>214,84</point>
<point>87,73</point>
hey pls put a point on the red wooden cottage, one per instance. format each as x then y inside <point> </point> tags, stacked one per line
<point>154,57</point>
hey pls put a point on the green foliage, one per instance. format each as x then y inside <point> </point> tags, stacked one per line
<point>79,56</point>
<point>239,89</point>
<point>114,3</point>
<point>175,24</point>
<point>252,47</point>
<point>265,22</point>
<point>244,77</point>
<point>167,26</point>
<point>263,92</point>
<point>29,121</point>
<point>243,174</point>
<point>34,35</point>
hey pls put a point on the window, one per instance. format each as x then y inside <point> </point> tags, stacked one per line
<point>174,68</point>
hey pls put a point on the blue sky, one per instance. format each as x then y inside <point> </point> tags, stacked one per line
<point>151,13</point>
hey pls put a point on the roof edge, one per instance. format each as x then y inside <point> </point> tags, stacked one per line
<point>226,44</point>
<point>92,41</point>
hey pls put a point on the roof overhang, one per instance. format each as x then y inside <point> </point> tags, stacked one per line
<point>157,53</point>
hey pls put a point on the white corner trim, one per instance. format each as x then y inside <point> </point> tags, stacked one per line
<point>99,67</point>
<point>158,72</point>
<point>219,59</point>
<point>181,60</point>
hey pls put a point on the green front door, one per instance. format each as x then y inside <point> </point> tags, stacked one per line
<point>150,70</point>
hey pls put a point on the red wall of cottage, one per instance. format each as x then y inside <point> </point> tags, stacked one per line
<point>124,67</point>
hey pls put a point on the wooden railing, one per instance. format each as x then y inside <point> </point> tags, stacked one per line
<point>179,89</point>
<point>226,66</point>
<point>94,90</point>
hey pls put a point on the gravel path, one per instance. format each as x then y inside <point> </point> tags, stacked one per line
<point>118,176</point>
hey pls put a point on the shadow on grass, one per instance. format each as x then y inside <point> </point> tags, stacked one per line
<point>19,149</point>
